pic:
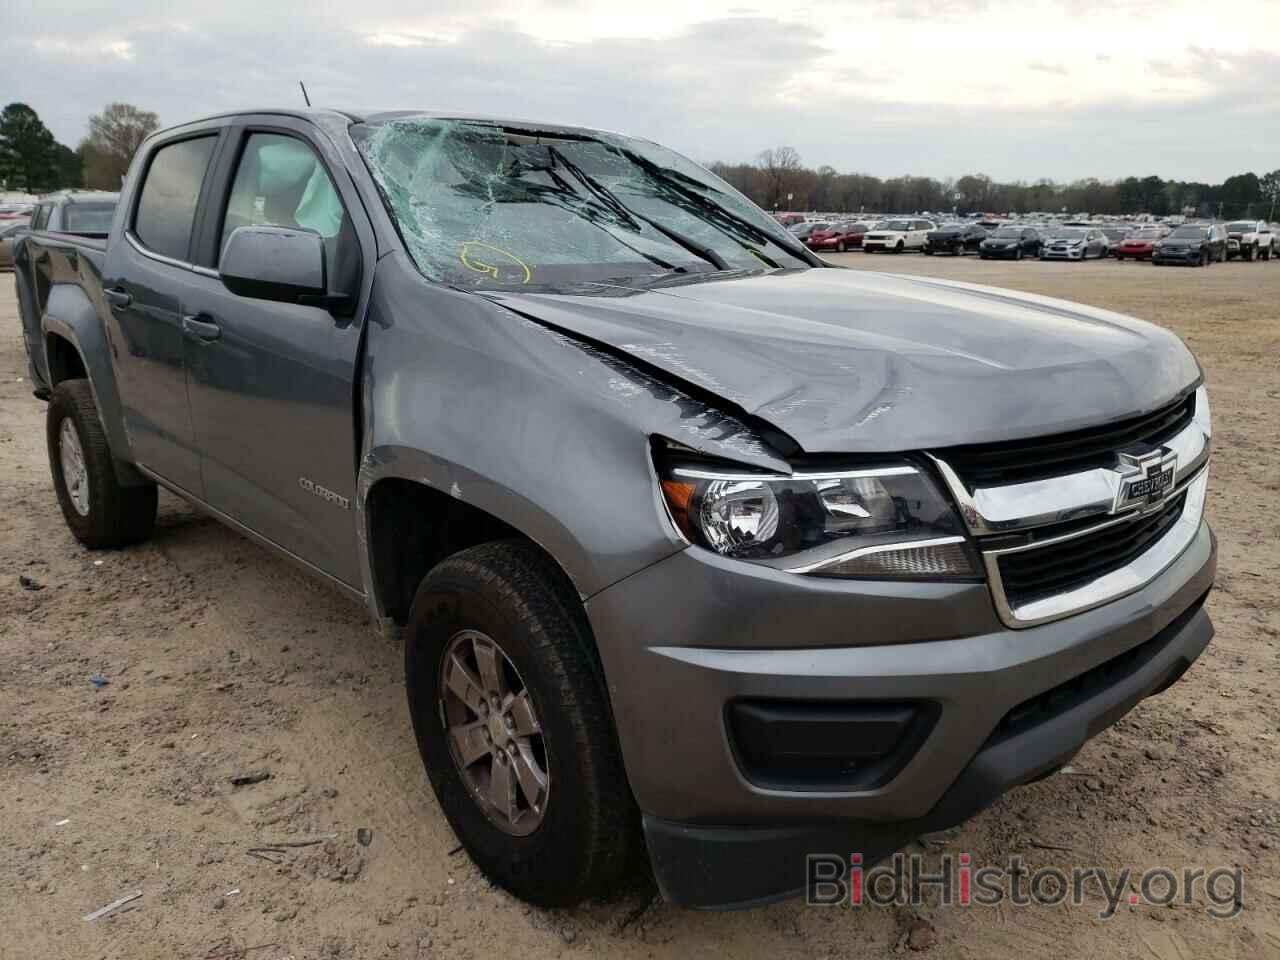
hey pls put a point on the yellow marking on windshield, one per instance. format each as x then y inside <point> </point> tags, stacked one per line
<point>471,262</point>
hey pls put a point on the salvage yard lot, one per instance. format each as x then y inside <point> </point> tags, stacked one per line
<point>224,661</point>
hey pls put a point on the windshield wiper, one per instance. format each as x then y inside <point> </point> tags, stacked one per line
<point>800,252</point>
<point>606,196</point>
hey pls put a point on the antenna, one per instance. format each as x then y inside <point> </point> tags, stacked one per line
<point>304,93</point>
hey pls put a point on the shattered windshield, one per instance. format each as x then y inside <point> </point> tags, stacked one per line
<point>482,204</point>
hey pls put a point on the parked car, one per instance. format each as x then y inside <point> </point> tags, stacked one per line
<point>10,230</point>
<point>603,455</point>
<point>84,212</point>
<point>897,235</point>
<point>1249,240</point>
<point>1115,236</point>
<point>954,238</point>
<point>1138,244</point>
<point>1074,243</point>
<point>839,237</point>
<point>804,230</point>
<point>1011,242</point>
<point>1198,244</point>
<point>15,211</point>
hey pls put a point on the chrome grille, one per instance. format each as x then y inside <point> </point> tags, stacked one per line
<point>1088,524</point>
<point>1070,564</point>
<point>1017,461</point>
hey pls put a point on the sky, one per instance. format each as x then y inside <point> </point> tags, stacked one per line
<point>1018,91</point>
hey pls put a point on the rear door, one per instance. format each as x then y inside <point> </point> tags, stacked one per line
<point>147,274</point>
<point>272,384</point>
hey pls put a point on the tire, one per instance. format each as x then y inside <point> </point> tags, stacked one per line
<point>1119,258</point>
<point>1017,253</point>
<point>840,246</point>
<point>958,250</point>
<point>1252,255</point>
<point>900,247</point>
<point>100,512</point>
<point>1204,259</point>
<point>928,251</point>
<point>585,834</point>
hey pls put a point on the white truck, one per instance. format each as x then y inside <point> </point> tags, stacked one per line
<point>1251,240</point>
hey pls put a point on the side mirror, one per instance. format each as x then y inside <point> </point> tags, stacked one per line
<point>275,263</point>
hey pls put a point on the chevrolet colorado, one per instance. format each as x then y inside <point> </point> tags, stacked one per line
<point>699,547</point>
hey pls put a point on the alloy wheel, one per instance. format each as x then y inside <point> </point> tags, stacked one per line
<point>494,734</point>
<point>75,475</point>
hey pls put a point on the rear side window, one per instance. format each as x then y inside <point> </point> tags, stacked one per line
<point>41,219</point>
<point>88,217</point>
<point>167,205</point>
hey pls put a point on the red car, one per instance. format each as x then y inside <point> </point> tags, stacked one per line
<point>1138,245</point>
<point>837,236</point>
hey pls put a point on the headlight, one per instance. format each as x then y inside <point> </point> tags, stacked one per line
<point>874,523</point>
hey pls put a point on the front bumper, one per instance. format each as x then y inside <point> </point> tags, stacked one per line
<point>999,253</point>
<point>1176,256</point>
<point>687,637</point>
<point>1070,254</point>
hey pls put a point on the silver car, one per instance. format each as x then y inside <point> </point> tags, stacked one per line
<point>9,232</point>
<point>1075,243</point>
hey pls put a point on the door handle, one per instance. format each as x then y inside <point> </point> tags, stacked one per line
<point>204,330</point>
<point>118,298</point>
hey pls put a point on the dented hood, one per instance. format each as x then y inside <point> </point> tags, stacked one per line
<point>848,361</point>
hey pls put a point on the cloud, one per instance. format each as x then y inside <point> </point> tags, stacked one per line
<point>828,78</point>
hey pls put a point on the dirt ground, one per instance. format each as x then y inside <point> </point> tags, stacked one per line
<point>224,661</point>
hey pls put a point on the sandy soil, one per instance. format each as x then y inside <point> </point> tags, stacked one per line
<point>224,661</point>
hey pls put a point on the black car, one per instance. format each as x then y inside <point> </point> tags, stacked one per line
<point>1011,243</point>
<point>1197,244</point>
<point>954,238</point>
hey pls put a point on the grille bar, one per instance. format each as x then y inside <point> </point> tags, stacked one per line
<point>1019,461</point>
<point>1031,574</point>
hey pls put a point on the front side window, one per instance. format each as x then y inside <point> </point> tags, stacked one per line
<point>41,219</point>
<point>280,182</point>
<point>167,204</point>
<point>483,204</point>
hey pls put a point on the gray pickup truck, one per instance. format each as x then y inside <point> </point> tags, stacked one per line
<point>700,548</point>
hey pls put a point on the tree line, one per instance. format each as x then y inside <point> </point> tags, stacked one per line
<point>778,180</point>
<point>33,161</point>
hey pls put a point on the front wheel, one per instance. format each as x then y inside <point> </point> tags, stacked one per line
<point>1204,259</point>
<point>840,247</point>
<point>513,723</point>
<point>1251,254</point>
<point>99,510</point>
<point>900,247</point>
<point>1017,254</point>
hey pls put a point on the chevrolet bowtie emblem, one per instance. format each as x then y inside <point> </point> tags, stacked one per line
<point>1147,476</point>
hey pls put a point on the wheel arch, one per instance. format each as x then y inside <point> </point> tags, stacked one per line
<point>409,523</point>
<point>74,349</point>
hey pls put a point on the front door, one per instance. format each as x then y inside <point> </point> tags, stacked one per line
<point>272,384</point>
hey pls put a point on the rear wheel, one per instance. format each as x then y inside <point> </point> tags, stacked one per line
<point>514,727</point>
<point>98,509</point>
